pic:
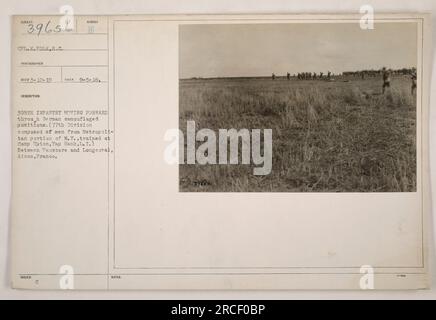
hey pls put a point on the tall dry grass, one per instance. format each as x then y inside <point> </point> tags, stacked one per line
<point>329,137</point>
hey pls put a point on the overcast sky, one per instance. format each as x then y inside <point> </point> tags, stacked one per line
<point>260,49</point>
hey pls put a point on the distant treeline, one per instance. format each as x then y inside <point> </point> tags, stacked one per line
<point>231,78</point>
<point>372,72</point>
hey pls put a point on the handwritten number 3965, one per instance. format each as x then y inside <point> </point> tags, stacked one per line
<point>43,28</point>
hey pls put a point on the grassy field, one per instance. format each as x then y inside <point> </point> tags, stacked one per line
<point>328,136</point>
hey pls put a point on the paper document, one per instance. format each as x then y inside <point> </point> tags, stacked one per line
<point>220,152</point>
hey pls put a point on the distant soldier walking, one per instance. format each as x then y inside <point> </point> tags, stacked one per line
<point>413,83</point>
<point>386,79</point>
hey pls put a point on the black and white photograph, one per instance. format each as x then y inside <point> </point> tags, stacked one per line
<point>340,101</point>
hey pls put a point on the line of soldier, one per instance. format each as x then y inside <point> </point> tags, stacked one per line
<point>307,76</point>
<point>386,75</point>
<point>313,75</point>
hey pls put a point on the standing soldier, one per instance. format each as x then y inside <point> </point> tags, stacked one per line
<point>320,75</point>
<point>328,75</point>
<point>413,83</point>
<point>386,79</point>
<point>273,76</point>
<point>288,75</point>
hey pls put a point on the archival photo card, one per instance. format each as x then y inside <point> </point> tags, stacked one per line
<point>223,152</point>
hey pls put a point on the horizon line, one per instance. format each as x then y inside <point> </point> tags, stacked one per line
<point>292,74</point>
